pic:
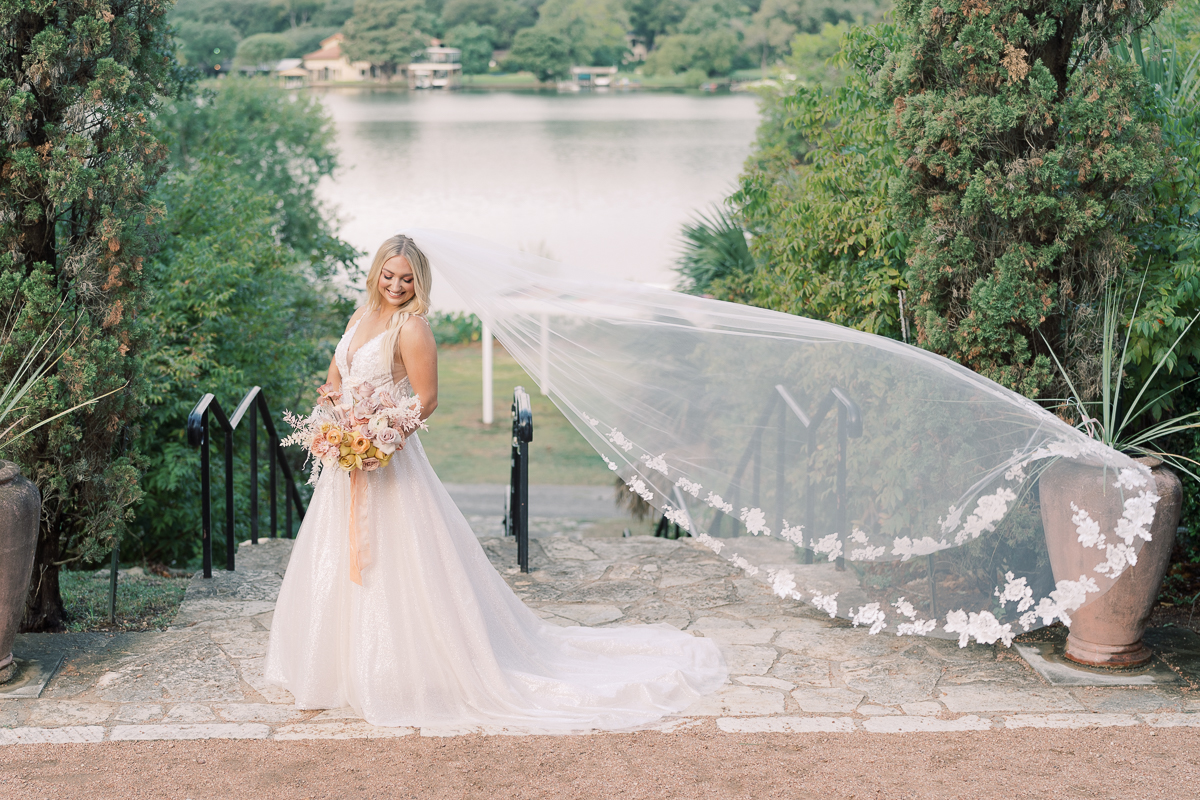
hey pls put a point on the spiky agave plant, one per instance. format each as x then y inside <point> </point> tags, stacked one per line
<point>1112,419</point>
<point>48,349</point>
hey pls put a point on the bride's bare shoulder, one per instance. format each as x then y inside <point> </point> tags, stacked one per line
<point>356,316</point>
<point>416,330</point>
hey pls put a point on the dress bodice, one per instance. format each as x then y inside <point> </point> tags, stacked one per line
<point>369,364</point>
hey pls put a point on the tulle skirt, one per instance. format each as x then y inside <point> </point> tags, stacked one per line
<point>435,637</point>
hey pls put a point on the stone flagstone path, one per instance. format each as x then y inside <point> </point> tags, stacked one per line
<point>793,669</point>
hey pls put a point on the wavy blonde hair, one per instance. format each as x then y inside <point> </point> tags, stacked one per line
<point>418,304</point>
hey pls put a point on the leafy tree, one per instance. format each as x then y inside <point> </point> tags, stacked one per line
<point>205,44</point>
<point>708,38</point>
<point>388,32</point>
<point>813,56</point>
<point>247,17</point>
<point>545,55</point>
<point>814,196</point>
<point>230,309</point>
<point>307,39</point>
<point>593,29</point>
<point>475,41</point>
<point>262,49</point>
<point>505,16</point>
<point>299,12</point>
<point>713,52</point>
<point>776,22</point>
<point>81,83</point>
<point>649,19</point>
<point>333,13</point>
<point>235,299</point>
<point>283,145</point>
<point>1027,166</point>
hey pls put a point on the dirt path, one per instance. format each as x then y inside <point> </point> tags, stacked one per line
<point>703,763</point>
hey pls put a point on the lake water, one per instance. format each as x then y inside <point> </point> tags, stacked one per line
<point>604,181</point>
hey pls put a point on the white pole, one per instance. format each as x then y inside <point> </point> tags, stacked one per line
<point>544,376</point>
<point>486,336</point>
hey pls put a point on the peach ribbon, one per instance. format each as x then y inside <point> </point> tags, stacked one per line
<point>359,550</point>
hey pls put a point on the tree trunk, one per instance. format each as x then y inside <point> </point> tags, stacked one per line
<point>44,610</point>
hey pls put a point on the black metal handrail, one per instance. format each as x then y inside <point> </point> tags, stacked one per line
<point>849,426</point>
<point>516,520</point>
<point>252,404</point>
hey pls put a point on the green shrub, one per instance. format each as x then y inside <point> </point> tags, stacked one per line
<point>455,327</point>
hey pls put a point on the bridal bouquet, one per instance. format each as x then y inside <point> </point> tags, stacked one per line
<point>355,430</point>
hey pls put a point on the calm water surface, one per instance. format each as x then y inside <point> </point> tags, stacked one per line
<point>600,180</point>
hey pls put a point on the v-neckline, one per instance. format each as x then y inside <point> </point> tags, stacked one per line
<point>350,356</point>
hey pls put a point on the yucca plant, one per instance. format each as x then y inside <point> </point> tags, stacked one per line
<point>1115,423</point>
<point>38,361</point>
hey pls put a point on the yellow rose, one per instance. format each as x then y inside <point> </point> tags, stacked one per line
<point>346,462</point>
<point>372,452</point>
<point>384,458</point>
<point>344,450</point>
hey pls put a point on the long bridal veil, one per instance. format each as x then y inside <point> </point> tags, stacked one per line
<point>874,480</point>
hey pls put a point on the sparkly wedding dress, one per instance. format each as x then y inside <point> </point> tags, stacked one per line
<point>434,636</point>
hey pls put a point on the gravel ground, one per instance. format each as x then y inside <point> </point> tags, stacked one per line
<point>699,763</point>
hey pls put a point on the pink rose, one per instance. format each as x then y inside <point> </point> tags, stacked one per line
<point>364,389</point>
<point>369,404</point>
<point>326,395</point>
<point>370,464</point>
<point>388,440</point>
<point>386,398</point>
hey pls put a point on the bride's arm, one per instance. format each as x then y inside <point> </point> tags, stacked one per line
<point>334,378</point>
<point>418,353</point>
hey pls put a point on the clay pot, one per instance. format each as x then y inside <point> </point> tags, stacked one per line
<point>20,508</point>
<point>1107,632</point>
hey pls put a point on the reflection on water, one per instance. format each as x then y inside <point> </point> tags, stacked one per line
<point>601,180</point>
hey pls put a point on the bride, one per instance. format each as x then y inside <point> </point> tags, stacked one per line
<point>429,634</point>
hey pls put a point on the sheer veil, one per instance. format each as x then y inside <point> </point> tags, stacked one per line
<point>874,480</point>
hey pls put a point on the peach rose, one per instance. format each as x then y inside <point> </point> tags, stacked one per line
<point>360,444</point>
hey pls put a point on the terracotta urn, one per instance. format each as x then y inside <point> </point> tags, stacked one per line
<point>20,508</point>
<point>1107,632</point>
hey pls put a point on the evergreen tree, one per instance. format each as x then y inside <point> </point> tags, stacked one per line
<point>1028,163</point>
<point>80,81</point>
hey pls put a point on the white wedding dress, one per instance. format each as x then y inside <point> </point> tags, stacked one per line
<point>434,636</point>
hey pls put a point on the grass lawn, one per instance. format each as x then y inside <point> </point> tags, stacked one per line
<point>144,602</point>
<point>463,450</point>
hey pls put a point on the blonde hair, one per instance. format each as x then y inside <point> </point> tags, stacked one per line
<point>418,304</point>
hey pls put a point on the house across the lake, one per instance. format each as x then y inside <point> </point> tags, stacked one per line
<point>330,65</point>
<point>440,69</point>
<point>592,77</point>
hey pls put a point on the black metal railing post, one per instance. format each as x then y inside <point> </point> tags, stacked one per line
<point>849,426</point>
<point>253,405</point>
<point>517,521</point>
<point>254,473</point>
<point>205,488</point>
